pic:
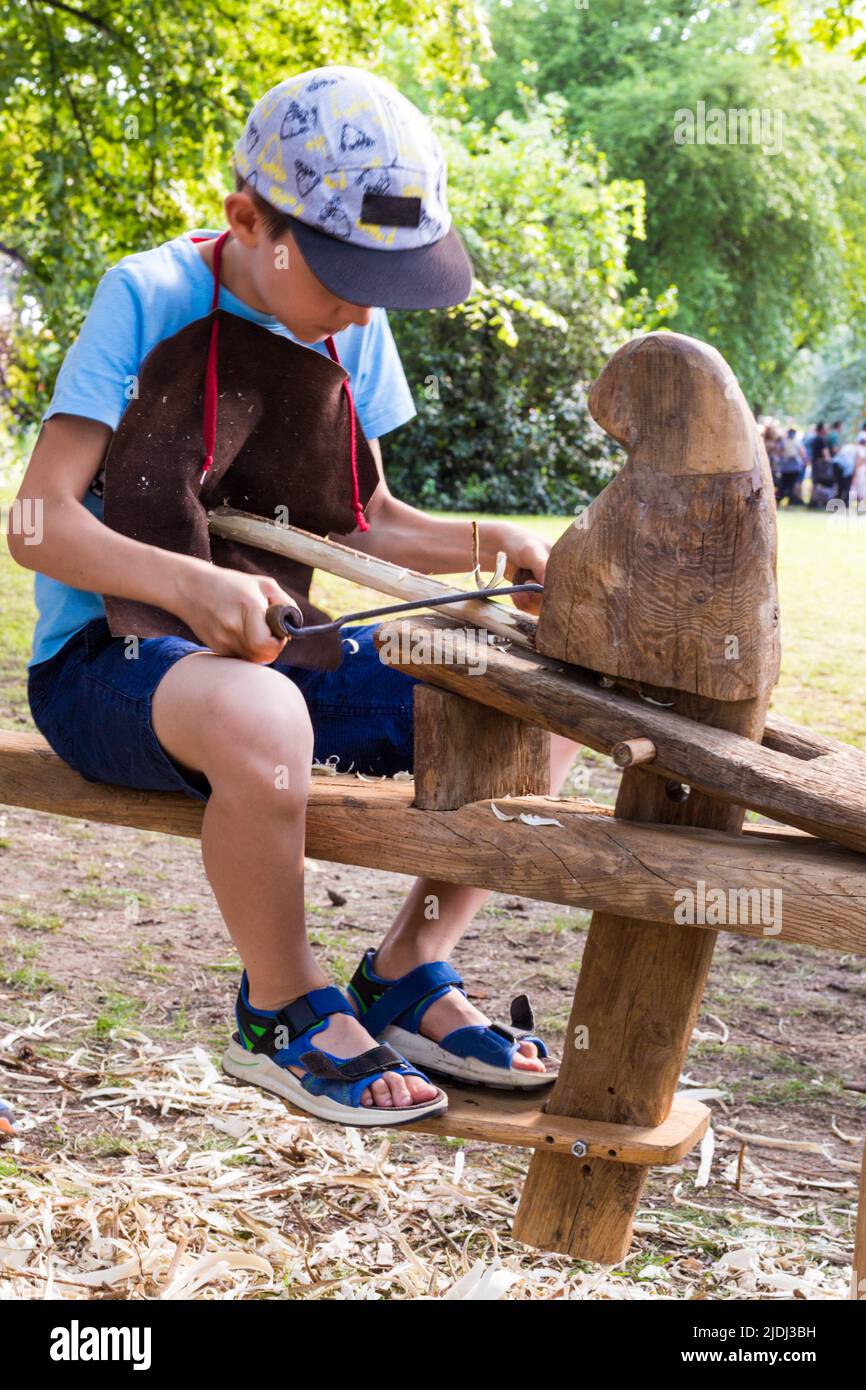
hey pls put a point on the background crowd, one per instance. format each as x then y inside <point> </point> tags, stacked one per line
<point>818,466</point>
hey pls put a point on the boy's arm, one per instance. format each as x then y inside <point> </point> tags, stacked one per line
<point>434,545</point>
<point>225,609</point>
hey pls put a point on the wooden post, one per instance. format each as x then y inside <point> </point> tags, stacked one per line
<point>858,1272</point>
<point>464,752</point>
<point>667,580</point>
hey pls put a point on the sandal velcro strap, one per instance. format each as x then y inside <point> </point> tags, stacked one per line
<point>310,1009</point>
<point>369,1063</point>
<point>511,1034</point>
<point>415,991</point>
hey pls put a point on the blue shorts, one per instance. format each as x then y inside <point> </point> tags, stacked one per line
<point>93,705</point>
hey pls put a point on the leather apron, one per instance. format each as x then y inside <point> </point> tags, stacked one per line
<point>229,412</point>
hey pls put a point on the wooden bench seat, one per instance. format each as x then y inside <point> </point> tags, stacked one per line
<point>589,860</point>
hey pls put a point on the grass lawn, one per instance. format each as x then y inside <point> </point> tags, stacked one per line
<point>822,579</point>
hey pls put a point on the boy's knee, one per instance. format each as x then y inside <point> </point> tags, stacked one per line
<point>263,732</point>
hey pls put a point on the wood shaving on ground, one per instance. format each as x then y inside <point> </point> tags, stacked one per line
<point>141,1173</point>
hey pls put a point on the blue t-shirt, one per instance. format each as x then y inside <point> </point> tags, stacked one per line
<point>150,296</point>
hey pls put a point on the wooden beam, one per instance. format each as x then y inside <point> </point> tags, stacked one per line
<point>591,860</point>
<point>503,1117</point>
<point>465,752</point>
<point>820,787</point>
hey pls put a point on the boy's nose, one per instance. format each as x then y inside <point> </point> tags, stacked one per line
<point>359,314</point>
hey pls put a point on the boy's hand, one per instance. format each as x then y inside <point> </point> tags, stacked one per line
<point>525,551</point>
<point>226,611</point>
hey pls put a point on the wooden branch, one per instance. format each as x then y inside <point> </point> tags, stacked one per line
<point>858,1271</point>
<point>591,860</point>
<point>824,792</point>
<point>368,570</point>
<point>85,17</point>
<point>15,255</point>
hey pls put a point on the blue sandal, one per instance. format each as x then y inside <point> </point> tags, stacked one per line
<point>392,1011</point>
<point>267,1044</point>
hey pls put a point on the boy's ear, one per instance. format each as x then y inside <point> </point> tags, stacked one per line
<point>244,218</point>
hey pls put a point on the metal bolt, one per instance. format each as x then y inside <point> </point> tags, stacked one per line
<point>579,1148</point>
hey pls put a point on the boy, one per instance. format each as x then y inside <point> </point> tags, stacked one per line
<point>340,204</point>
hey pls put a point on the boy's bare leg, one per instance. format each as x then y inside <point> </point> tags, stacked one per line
<point>415,938</point>
<point>246,727</point>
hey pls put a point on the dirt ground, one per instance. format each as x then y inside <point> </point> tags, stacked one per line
<point>117,982</point>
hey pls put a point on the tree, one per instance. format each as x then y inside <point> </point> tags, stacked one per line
<point>839,24</point>
<point>501,381</point>
<point>119,120</point>
<point>120,124</point>
<point>763,239</point>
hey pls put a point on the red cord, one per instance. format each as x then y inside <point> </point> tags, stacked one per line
<point>353,442</point>
<point>210,382</point>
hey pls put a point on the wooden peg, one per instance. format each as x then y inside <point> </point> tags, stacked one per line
<point>632,751</point>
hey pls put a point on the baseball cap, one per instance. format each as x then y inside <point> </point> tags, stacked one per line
<point>363,175</point>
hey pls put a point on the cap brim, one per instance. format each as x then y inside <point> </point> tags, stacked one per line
<point>429,277</point>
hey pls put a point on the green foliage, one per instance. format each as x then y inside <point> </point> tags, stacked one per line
<point>119,121</point>
<point>763,240</point>
<point>579,208</point>
<point>833,385</point>
<point>837,24</point>
<point>120,131</point>
<point>500,381</point>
